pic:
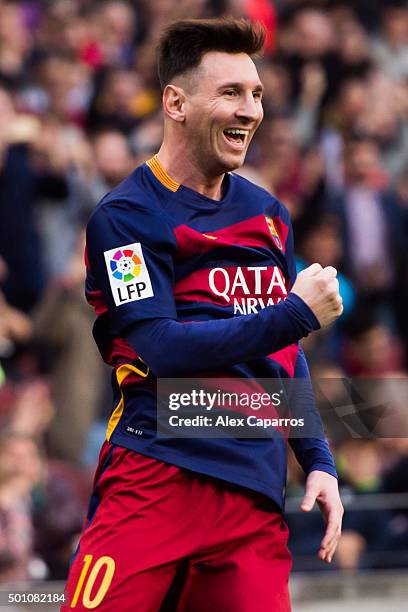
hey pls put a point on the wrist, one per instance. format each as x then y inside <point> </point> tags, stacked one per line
<point>298,309</point>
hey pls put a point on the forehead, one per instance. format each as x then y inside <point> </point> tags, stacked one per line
<point>217,67</point>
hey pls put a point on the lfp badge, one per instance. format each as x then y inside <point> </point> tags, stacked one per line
<point>128,275</point>
<point>125,265</point>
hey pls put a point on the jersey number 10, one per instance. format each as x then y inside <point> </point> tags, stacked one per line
<point>106,564</point>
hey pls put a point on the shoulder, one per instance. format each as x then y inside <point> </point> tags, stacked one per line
<point>132,196</point>
<point>131,207</point>
<point>260,195</point>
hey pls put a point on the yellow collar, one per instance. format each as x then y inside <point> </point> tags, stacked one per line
<point>161,175</point>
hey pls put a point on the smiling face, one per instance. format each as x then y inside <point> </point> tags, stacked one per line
<point>223,108</point>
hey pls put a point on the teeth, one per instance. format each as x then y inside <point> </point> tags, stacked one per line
<point>235,131</point>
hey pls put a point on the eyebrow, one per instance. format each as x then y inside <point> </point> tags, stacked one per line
<point>239,85</point>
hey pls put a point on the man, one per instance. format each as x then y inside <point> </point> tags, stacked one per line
<point>173,254</point>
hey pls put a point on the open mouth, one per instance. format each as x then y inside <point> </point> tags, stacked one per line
<point>236,136</point>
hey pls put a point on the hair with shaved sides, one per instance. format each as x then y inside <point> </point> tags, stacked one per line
<point>183,43</point>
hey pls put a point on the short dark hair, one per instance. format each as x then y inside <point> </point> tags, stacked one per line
<point>183,43</point>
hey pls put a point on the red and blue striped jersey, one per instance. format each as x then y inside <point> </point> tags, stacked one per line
<point>182,284</point>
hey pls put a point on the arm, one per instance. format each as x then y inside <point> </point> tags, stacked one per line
<point>312,453</point>
<point>317,461</point>
<point>198,346</point>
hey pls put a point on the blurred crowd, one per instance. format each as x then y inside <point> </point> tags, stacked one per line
<point>79,109</point>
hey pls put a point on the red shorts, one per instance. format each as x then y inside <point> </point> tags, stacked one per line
<point>155,531</point>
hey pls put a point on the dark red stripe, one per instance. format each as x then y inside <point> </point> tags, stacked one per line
<point>119,352</point>
<point>95,299</point>
<point>86,259</point>
<point>197,288</point>
<point>286,357</point>
<point>252,232</point>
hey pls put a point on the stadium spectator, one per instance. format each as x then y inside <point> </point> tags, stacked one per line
<point>372,220</point>
<point>20,470</point>
<point>391,47</point>
<point>62,325</point>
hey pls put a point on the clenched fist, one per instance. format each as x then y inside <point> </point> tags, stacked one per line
<point>319,289</point>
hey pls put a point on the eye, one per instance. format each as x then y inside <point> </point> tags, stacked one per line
<point>257,95</point>
<point>231,93</point>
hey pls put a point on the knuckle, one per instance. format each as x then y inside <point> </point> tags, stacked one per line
<point>315,266</point>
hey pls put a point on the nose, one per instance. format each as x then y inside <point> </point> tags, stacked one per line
<point>249,108</point>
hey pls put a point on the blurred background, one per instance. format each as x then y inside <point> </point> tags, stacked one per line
<point>79,109</point>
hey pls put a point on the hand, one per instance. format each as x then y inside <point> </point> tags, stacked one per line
<point>323,488</point>
<point>314,84</point>
<point>319,289</point>
<point>33,411</point>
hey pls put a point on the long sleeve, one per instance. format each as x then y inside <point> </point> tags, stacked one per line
<point>312,453</point>
<point>172,348</point>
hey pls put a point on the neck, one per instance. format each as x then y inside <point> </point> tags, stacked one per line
<point>184,169</point>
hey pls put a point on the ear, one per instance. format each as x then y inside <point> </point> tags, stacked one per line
<point>174,102</point>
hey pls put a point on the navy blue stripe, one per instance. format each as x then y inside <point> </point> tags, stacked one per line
<point>95,497</point>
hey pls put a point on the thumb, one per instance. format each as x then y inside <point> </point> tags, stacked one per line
<point>308,501</point>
